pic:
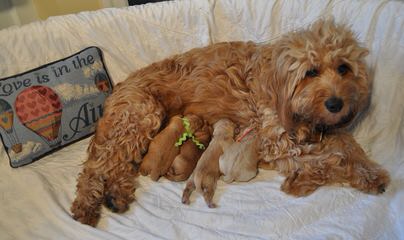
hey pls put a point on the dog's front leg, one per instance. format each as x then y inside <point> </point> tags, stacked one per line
<point>90,190</point>
<point>302,182</point>
<point>364,174</point>
<point>355,167</point>
<point>131,118</point>
<point>340,160</point>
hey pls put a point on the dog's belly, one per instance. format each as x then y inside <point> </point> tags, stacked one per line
<point>211,107</point>
<point>210,82</point>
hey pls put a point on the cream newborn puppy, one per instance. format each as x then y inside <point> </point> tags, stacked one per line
<point>236,160</point>
<point>239,161</point>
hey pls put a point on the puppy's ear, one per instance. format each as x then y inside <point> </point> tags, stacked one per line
<point>195,122</point>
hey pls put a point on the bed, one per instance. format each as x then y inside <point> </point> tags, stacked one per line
<point>35,199</point>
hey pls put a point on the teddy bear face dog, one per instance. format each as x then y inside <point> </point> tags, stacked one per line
<point>323,79</point>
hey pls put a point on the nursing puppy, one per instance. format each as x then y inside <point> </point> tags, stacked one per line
<point>207,170</point>
<point>177,161</point>
<point>162,149</point>
<point>185,162</point>
<point>240,160</point>
<point>237,160</point>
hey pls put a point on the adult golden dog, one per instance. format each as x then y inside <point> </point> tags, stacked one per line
<point>299,93</point>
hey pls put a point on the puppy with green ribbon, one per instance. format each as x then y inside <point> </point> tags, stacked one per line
<point>174,152</point>
<point>192,144</point>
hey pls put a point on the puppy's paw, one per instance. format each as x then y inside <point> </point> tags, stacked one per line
<point>146,166</point>
<point>176,176</point>
<point>182,167</point>
<point>208,193</point>
<point>151,166</point>
<point>186,194</point>
<point>205,183</point>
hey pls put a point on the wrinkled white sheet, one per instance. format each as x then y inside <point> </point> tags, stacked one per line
<point>35,199</point>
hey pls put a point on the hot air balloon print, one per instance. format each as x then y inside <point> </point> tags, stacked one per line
<point>7,122</point>
<point>102,83</point>
<point>39,109</point>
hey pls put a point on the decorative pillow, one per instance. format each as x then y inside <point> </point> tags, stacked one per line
<point>48,107</point>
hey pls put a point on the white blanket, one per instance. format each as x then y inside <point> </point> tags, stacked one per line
<point>35,199</point>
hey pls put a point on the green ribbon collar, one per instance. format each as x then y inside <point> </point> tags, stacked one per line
<point>188,134</point>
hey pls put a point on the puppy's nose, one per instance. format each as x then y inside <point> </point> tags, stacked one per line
<point>334,104</point>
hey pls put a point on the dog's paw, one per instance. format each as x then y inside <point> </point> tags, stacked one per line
<point>85,215</point>
<point>119,195</point>
<point>115,204</point>
<point>88,219</point>
<point>300,134</point>
<point>297,185</point>
<point>373,182</point>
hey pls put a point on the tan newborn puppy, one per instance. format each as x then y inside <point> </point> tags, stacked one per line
<point>162,150</point>
<point>185,162</point>
<point>207,172</point>
<point>175,162</point>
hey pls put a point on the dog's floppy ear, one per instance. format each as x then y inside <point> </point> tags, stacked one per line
<point>273,70</point>
<point>101,132</point>
<point>286,72</point>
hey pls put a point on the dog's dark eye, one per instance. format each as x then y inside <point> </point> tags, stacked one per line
<point>343,69</point>
<point>312,73</point>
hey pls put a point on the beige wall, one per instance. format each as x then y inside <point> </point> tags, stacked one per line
<point>18,12</point>
<point>7,14</point>
<point>47,8</point>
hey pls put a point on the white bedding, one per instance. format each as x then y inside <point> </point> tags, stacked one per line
<point>35,199</point>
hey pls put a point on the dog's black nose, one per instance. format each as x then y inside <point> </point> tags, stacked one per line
<point>334,104</point>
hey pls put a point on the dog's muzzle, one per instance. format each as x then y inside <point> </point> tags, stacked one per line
<point>334,104</point>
